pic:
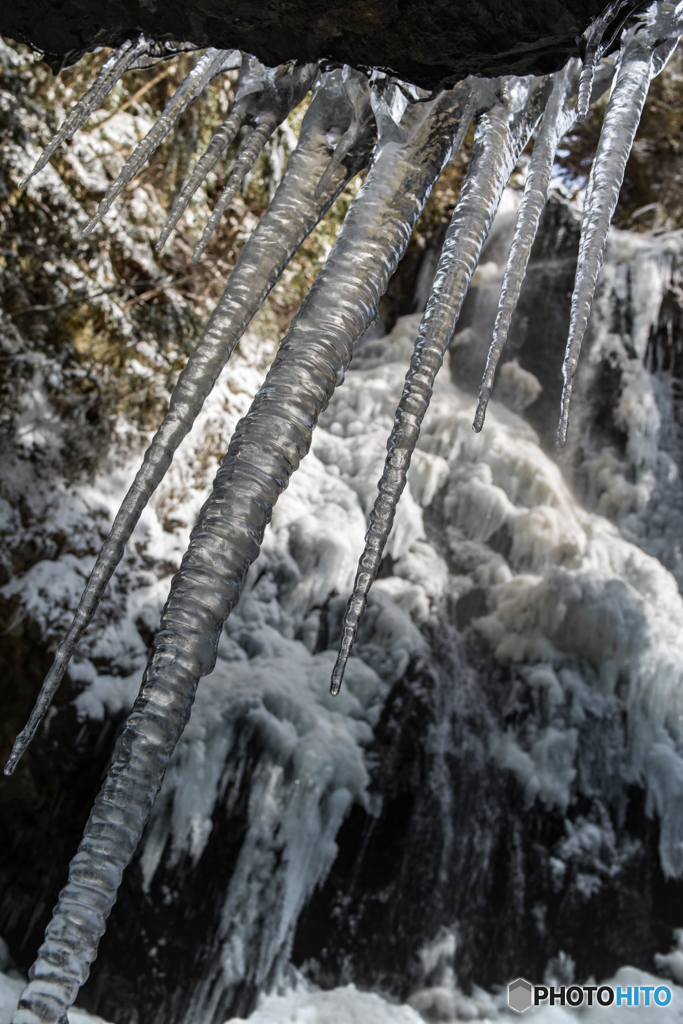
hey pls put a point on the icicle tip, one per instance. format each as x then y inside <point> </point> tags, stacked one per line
<point>19,747</point>
<point>480,412</point>
<point>337,677</point>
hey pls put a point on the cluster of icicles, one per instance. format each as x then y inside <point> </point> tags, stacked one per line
<point>404,138</point>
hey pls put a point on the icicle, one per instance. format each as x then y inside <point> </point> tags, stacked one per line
<point>292,214</point>
<point>219,143</point>
<point>267,447</point>
<point>594,51</point>
<point>466,120</point>
<point>286,88</point>
<point>207,67</point>
<point>639,61</point>
<point>262,94</point>
<point>247,158</point>
<point>500,137</point>
<point>557,120</point>
<point>118,63</point>
<point>357,91</point>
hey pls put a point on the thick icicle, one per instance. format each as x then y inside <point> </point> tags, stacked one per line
<point>640,60</point>
<point>261,95</point>
<point>118,63</point>
<point>206,68</point>
<point>267,447</point>
<point>557,120</point>
<point>500,137</point>
<point>293,213</point>
<point>283,90</point>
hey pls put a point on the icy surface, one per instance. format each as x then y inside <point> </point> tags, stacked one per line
<point>446,1003</point>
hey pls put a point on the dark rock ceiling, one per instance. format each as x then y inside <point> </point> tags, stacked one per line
<point>422,41</point>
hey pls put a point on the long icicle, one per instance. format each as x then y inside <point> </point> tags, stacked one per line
<point>267,447</point>
<point>206,68</point>
<point>118,63</point>
<point>639,61</point>
<point>500,137</point>
<point>557,120</point>
<point>262,95</point>
<point>291,216</point>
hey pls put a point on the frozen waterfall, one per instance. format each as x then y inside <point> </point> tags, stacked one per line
<point>589,613</point>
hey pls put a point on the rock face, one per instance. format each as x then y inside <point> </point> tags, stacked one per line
<point>421,41</point>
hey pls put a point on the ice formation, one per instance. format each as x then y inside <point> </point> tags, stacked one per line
<point>416,135</point>
<point>557,120</point>
<point>501,135</point>
<point>293,213</point>
<point>643,55</point>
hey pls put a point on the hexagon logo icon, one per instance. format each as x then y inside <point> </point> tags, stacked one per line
<point>519,995</point>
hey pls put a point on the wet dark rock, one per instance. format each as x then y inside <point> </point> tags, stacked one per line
<point>422,41</point>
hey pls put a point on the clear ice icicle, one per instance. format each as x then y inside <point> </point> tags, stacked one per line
<point>249,154</point>
<point>265,450</point>
<point>282,89</point>
<point>112,70</point>
<point>357,91</point>
<point>262,95</point>
<point>206,68</point>
<point>220,141</point>
<point>643,55</point>
<point>594,51</point>
<point>557,119</point>
<point>500,136</point>
<point>292,214</point>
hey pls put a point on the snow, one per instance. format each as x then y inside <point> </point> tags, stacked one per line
<point>348,1005</point>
